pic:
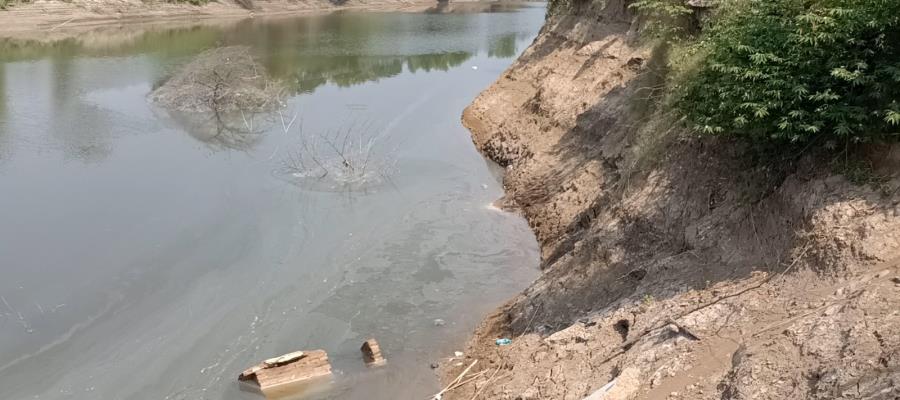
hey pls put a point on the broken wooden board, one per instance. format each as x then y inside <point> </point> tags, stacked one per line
<point>372,353</point>
<point>278,374</point>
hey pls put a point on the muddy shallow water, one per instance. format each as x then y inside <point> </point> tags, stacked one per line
<point>146,257</point>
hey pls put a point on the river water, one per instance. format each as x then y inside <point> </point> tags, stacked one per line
<point>143,258</point>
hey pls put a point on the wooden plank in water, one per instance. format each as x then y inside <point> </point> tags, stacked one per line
<point>289,369</point>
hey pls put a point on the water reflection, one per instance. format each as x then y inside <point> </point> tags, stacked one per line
<point>225,131</point>
<point>4,135</point>
<point>503,47</point>
<point>347,49</point>
<point>161,41</point>
<point>79,128</point>
<point>340,48</point>
<point>446,7</point>
<point>152,256</point>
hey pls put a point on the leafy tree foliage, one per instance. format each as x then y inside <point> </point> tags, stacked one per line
<point>792,70</point>
<point>669,19</point>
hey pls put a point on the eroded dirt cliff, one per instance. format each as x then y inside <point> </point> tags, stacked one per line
<point>675,266</point>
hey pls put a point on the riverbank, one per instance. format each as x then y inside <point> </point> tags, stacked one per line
<point>48,20</point>
<point>674,265</point>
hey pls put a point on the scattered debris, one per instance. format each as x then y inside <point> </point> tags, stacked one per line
<point>298,367</point>
<point>458,381</point>
<point>620,388</point>
<point>503,342</point>
<point>602,391</point>
<point>372,353</point>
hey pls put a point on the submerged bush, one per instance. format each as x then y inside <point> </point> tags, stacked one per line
<point>794,70</point>
<point>221,80</point>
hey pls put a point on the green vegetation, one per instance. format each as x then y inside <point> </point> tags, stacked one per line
<point>785,71</point>
<point>669,19</point>
<point>4,4</point>
<point>859,171</point>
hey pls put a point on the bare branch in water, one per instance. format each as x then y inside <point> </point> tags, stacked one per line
<point>352,157</point>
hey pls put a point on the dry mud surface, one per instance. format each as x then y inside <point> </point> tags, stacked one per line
<point>674,267</point>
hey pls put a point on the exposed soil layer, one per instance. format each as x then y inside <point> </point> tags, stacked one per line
<point>675,266</point>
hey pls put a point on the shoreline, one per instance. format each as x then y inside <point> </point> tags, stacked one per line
<point>668,258</point>
<point>49,20</point>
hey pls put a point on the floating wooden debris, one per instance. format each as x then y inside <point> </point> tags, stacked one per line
<point>276,374</point>
<point>372,353</point>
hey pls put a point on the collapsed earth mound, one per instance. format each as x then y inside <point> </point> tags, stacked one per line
<point>223,97</point>
<point>221,80</point>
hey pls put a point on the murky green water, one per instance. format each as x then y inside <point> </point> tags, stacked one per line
<point>142,259</point>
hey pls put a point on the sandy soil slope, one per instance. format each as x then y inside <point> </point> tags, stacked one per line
<point>674,266</point>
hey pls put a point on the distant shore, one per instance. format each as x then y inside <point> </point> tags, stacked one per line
<point>56,19</point>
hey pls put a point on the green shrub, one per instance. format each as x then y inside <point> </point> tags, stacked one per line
<point>666,19</point>
<point>795,70</point>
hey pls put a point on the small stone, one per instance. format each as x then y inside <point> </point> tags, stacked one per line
<point>434,365</point>
<point>883,273</point>
<point>673,328</point>
<point>439,322</point>
<point>458,354</point>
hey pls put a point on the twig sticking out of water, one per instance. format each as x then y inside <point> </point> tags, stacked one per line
<point>347,155</point>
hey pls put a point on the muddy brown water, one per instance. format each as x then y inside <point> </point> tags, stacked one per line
<point>144,258</point>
